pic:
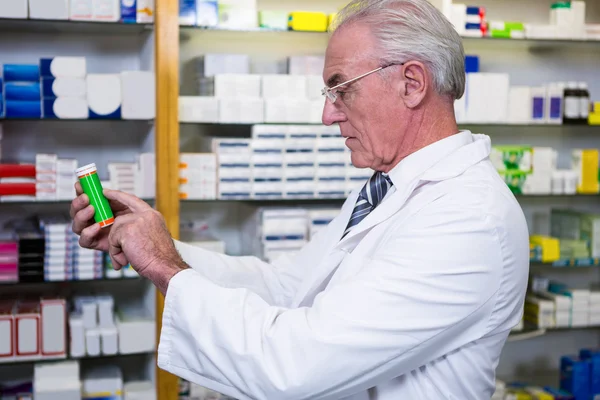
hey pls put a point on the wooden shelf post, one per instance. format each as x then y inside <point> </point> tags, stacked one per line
<point>166,56</point>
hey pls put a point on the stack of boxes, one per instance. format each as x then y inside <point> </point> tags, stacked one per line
<point>572,225</point>
<point>580,303</point>
<point>32,329</point>
<point>61,88</point>
<point>58,257</point>
<point>64,87</point>
<point>22,95</point>
<point>138,11</point>
<point>9,257</point>
<point>17,182</point>
<point>55,178</point>
<point>567,21</point>
<point>533,171</point>
<point>87,264</point>
<point>234,157</point>
<point>469,21</point>
<point>122,176</point>
<point>282,232</point>
<point>32,248</point>
<point>231,94</point>
<point>47,375</point>
<point>197,176</point>
<point>287,162</point>
<point>300,160</point>
<point>92,324</point>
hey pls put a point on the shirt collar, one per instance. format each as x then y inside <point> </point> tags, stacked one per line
<point>420,161</point>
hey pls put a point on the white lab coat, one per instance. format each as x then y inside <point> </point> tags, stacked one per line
<point>414,304</point>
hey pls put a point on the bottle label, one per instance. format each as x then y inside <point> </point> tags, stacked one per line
<point>556,108</point>
<point>572,107</point>
<point>585,107</point>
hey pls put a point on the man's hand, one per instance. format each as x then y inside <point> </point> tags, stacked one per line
<point>91,235</point>
<point>141,238</point>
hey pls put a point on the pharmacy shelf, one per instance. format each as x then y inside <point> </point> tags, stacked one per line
<point>57,120</point>
<point>341,199</point>
<point>88,27</point>
<point>71,282</point>
<point>571,263</point>
<point>526,41</point>
<point>531,333</point>
<point>36,359</point>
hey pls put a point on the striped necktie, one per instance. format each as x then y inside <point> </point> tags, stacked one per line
<point>370,196</point>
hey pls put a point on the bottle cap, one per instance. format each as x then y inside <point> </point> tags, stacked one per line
<point>86,169</point>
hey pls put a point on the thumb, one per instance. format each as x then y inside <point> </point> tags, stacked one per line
<point>133,203</point>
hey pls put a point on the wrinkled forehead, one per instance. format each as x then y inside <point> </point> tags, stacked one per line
<point>351,49</point>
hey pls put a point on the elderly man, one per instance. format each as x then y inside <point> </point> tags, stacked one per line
<point>409,294</point>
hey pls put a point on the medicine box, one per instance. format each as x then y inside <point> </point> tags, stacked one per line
<point>16,9</point>
<point>198,109</point>
<point>211,64</point>
<point>207,13</point>
<point>187,12</point>
<point>288,86</point>
<point>241,110</point>
<point>139,390</point>
<point>512,158</point>
<point>145,11</point>
<point>81,10</point>
<point>20,73</point>
<point>307,21</point>
<point>107,10</point>
<point>238,14</point>
<point>104,96</point>
<point>27,328</point>
<point>7,329</point>
<point>128,11</point>
<point>53,327</point>
<point>575,376</point>
<point>138,95</point>
<point>49,9</point>
<point>63,67</point>
<point>136,330</point>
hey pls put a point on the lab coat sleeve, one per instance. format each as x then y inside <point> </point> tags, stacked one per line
<point>274,284</point>
<point>422,295</point>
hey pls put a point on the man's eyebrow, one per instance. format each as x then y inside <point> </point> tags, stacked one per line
<point>334,80</point>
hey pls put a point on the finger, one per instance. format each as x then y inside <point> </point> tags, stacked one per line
<point>116,237</point>
<point>79,203</point>
<point>83,219</point>
<point>118,258</point>
<point>89,236</point>
<point>129,200</point>
<point>78,188</point>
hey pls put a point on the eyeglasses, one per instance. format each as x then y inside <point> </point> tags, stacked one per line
<point>332,93</point>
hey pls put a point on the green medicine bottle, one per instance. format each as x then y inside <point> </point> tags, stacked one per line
<point>90,182</point>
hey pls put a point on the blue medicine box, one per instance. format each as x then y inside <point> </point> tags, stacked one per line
<point>558,394</point>
<point>1,98</point>
<point>23,109</point>
<point>474,10</point>
<point>21,73</point>
<point>22,91</point>
<point>48,87</point>
<point>575,376</point>
<point>187,12</point>
<point>471,64</point>
<point>593,356</point>
<point>129,11</point>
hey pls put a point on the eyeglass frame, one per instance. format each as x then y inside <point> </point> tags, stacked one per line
<point>328,92</point>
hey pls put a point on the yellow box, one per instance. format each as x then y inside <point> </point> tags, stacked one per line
<point>307,21</point>
<point>550,247</point>
<point>586,163</point>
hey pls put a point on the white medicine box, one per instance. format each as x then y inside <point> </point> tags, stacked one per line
<point>49,9</point>
<point>16,9</point>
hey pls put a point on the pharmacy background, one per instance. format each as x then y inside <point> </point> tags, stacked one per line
<point>246,167</point>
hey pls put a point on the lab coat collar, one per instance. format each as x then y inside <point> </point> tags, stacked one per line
<point>441,160</point>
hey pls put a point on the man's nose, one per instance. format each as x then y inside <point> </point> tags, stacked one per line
<point>331,114</point>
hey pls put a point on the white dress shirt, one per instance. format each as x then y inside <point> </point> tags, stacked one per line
<point>415,303</point>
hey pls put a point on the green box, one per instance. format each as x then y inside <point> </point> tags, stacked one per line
<point>512,158</point>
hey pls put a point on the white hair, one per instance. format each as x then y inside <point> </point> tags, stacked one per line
<point>413,30</point>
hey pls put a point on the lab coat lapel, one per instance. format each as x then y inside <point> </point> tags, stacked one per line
<point>381,213</point>
<point>331,258</point>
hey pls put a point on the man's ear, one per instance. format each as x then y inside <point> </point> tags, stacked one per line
<point>415,84</point>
